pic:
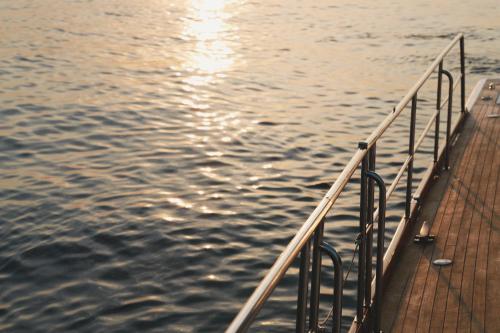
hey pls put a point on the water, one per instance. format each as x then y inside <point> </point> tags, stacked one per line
<point>157,156</point>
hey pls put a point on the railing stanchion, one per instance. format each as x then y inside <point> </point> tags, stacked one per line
<point>337,286</point>
<point>448,120</point>
<point>411,146</point>
<point>438,110</point>
<point>369,233</point>
<point>305,253</point>
<point>380,251</point>
<point>315,277</point>
<point>462,72</point>
<point>362,236</point>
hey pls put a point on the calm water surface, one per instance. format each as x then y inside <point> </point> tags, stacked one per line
<point>156,156</point>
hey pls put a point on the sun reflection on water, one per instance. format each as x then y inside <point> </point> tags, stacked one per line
<point>212,38</point>
<point>209,30</point>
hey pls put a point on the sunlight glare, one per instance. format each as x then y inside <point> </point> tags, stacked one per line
<point>209,29</point>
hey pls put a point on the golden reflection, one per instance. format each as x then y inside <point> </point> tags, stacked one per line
<point>208,28</point>
<point>210,37</point>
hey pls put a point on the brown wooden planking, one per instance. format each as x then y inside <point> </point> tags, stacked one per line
<point>492,318</point>
<point>423,265</point>
<point>432,277</point>
<point>460,316</point>
<point>404,304</point>
<point>438,278</point>
<point>414,299</point>
<point>463,296</point>
<point>479,213</point>
<point>445,289</point>
<point>458,235</point>
<point>413,290</point>
<point>479,286</point>
<point>459,297</point>
<point>451,288</point>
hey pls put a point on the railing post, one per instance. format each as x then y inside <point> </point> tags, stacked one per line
<point>315,277</point>
<point>362,236</point>
<point>438,110</point>
<point>337,286</point>
<point>380,251</point>
<point>462,72</point>
<point>411,146</point>
<point>369,233</point>
<point>448,120</point>
<point>305,253</point>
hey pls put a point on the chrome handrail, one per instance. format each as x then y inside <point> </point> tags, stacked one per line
<point>255,302</point>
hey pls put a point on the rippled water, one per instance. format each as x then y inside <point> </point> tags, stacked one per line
<point>157,156</point>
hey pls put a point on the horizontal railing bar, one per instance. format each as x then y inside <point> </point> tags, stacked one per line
<point>398,176</point>
<point>403,168</point>
<point>426,130</point>
<point>427,175</point>
<point>425,179</point>
<point>407,98</point>
<point>447,97</point>
<point>252,306</point>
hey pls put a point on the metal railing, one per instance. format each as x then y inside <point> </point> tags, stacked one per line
<point>369,292</point>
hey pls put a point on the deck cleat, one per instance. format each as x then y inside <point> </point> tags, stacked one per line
<point>424,237</point>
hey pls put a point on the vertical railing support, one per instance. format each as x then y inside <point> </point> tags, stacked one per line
<point>315,277</point>
<point>369,232</point>
<point>411,151</point>
<point>438,110</point>
<point>337,286</point>
<point>462,72</point>
<point>377,311</point>
<point>362,236</point>
<point>300,323</point>
<point>448,120</point>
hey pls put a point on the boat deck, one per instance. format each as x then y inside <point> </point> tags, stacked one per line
<point>463,208</point>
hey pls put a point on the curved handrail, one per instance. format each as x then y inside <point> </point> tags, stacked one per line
<point>252,306</point>
<point>337,285</point>
<point>380,249</point>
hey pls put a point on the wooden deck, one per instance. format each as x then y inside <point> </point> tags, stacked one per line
<point>463,207</point>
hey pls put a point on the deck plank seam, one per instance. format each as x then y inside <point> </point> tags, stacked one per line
<point>461,170</point>
<point>484,218</point>
<point>485,171</point>
<point>458,172</point>
<point>492,243</point>
<point>425,266</point>
<point>451,314</point>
